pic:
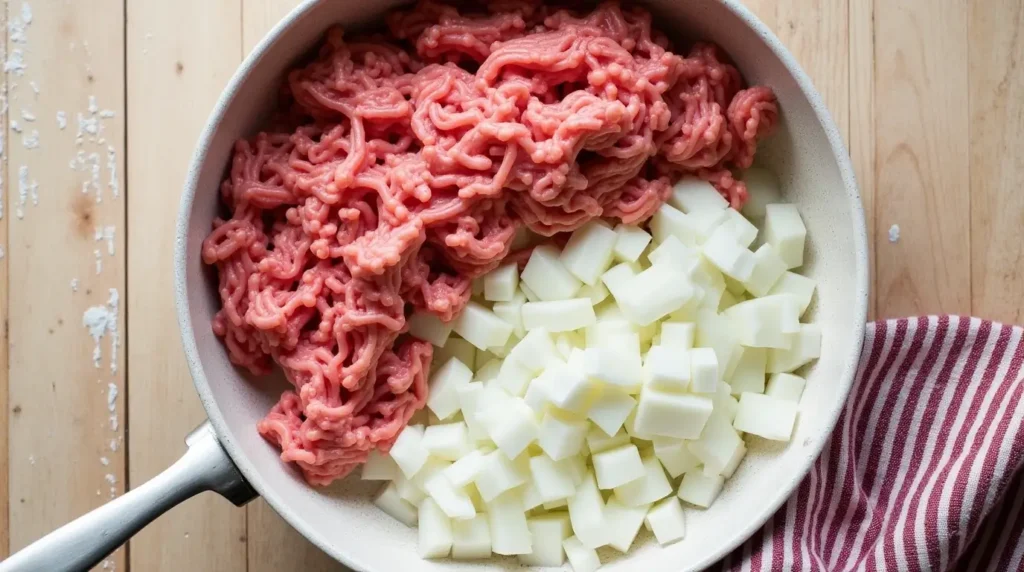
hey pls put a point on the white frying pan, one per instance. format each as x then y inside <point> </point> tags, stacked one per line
<point>228,456</point>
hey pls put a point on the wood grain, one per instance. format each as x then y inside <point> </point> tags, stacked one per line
<point>997,158</point>
<point>5,527</point>
<point>273,544</point>
<point>922,151</point>
<point>861,121</point>
<point>66,225</point>
<point>180,55</point>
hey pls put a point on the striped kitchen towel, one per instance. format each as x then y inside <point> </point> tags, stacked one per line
<point>925,469</point>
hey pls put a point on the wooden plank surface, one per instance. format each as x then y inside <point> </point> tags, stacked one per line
<point>5,467</point>
<point>997,158</point>
<point>921,174</point>
<point>928,94</point>
<point>180,55</point>
<point>65,218</point>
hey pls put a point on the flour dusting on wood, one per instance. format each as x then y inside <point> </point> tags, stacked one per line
<point>102,321</point>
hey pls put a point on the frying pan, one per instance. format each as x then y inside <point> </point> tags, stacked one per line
<point>227,455</point>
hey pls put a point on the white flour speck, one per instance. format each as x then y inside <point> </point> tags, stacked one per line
<point>112,182</point>
<point>104,461</point>
<point>87,126</point>
<point>74,284</point>
<point>112,397</point>
<point>31,459</point>
<point>62,120</point>
<point>100,321</point>
<point>106,114</point>
<point>113,444</point>
<point>93,108</point>
<point>15,126</point>
<point>15,62</point>
<point>30,141</point>
<point>35,88</point>
<point>2,252</point>
<point>26,13</point>
<point>110,478</point>
<point>106,233</point>
<point>99,261</point>
<point>28,115</point>
<point>894,233</point>
<point>113,422</point>
<point>24,188</point>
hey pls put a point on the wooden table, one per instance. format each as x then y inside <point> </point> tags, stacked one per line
<point>928,93</point>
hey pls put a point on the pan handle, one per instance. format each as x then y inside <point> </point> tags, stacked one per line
<point>84,542</point>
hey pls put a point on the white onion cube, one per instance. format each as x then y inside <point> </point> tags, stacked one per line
<point>765,416</point>
<point>559,316</point>
<point>805,346</point>
<point>618,276</point>
<point>379,467</point>
<point>408,450</point>
<point>796,285</point>
<point>675,455</point>
<point>750,371</point>
<point>621,368</point>
<point>500,284</point>
<point>581,558</point>
<point>785,386</point>
<point>561,438</point>
<point>668,221</point>
<point>547,532</point>
<point>435,531</point>
<point>652,487</point>
<point>598,440</point>
<point>694,195</point>
<point>449,441</point>
<point>610,409</point>
<point>678,336</point>
<point>512,312</point>
<point>596,294</point>
<point>717,445</point>
<point>616,467</point>
<point>471,538</point>
<point>466,469</point>
<point>739,227</point>
<point>453,500</point>
<point>482,327</point>
<point>768,269</point>
<point>716,332</point>
<point>506,518</point>
<point>443,399</point>
<point>531,496</point>
<point>623,523</point>
<point>673,252</point>
<point>408,490</point>
<point>553,479</point>
<point>704,370</point>
<point>393,505</point>
<point>667,521</point>
<point>729,256</point>
<point>589,251</point>
<point>512,426</point>
<point>514,377</point>
<point>547,277</point>
<point>766,322</point>
<point>586,512</point>
<point>724,403</point>
<point>497,475</point>
<point>672,415</point>
<point>785,231</point>
<point>610,333</point>
<point>428,327</point>
<point>568,388</point>
<point>536,351</point>
<point>630,242</point>
<point>668,369</point>
<point>699,489</point>
<point>654,294</point>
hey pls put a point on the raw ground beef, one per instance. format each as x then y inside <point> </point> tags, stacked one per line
<point>400,167</point>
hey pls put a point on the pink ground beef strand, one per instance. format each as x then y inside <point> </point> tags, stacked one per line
<point>400,168</point>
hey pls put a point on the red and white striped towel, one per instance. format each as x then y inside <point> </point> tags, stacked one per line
<point>925,470</point>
